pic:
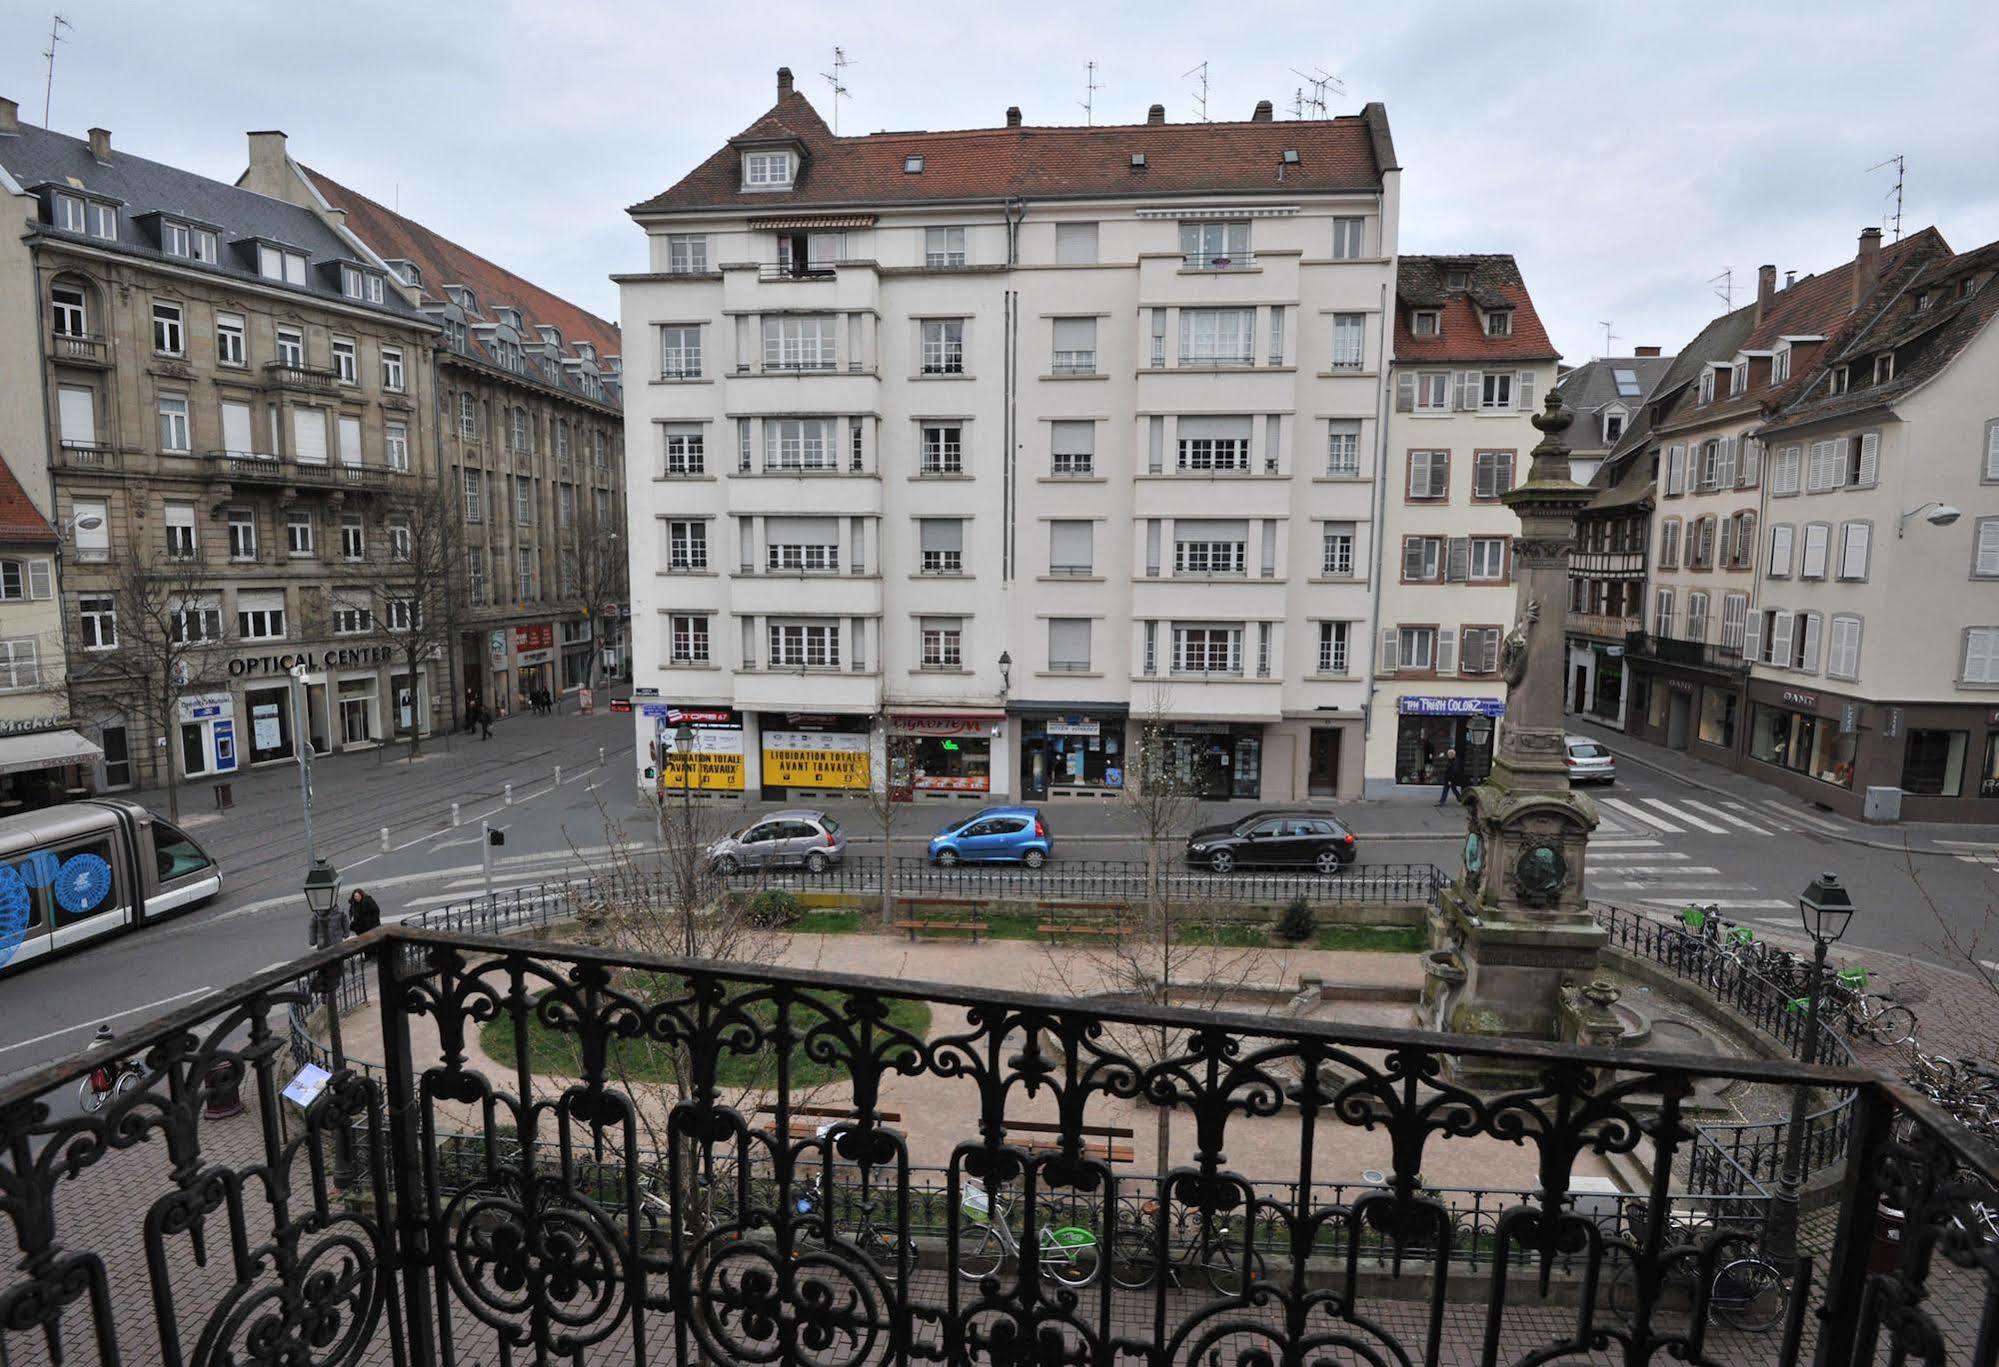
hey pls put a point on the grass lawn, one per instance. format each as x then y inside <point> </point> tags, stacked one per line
<point>557,1052</point>
<point>1228,934</point>
<point>828,923</point>
<point>1386,939</point>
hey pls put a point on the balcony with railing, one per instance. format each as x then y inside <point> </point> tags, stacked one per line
<point>248,467</point>
<point>521,1151</point>
<point>80,349</point>
<point>1694,654</point>
<point>87,456</point>
<point>300,378</point>
<point>1605,626</point>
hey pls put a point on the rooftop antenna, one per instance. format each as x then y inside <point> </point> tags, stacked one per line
<point>1900,163</point>
<point>1091,85</point>
<point>1608,337</point>
<point>1298,102</point>
<point>1724,286</point>
<point>1321,82</point>
<point>837,78</point>
<point>56,25</point>
<point>1201,100</point>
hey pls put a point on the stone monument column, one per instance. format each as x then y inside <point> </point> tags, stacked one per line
<point>1514,928</point>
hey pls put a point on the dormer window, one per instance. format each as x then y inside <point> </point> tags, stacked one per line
<point>766,170</point>
<point>1922,301</point>
<point>1457,280</point>
<point>462,297</point>
<point>586,350</point>
<point>76,214</point>
<point>1780,366</point>
<point>275,263</point>
<point>1884,367</point>
<point>511,317</point>
<point>1706,394</point>
<point>1836,381</point>
<point>1613,425</point>
<point>1499,322</point>
<point>1425,323</point>
<point>407,272</point>
<point>356,283</point>
<point>912,166</point>
<point>1738,377</point>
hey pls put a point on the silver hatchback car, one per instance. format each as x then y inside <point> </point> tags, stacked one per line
<point>1590,761</point>
<point>795,838</point>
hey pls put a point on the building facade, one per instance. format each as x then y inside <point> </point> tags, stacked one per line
<point>41,756</point>
<point>236,399</point>
<point>529,434</point>
<point>1472,363</point>
<point>1004,439</point>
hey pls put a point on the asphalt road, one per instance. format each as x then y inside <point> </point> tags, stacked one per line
<point>1664,842</point>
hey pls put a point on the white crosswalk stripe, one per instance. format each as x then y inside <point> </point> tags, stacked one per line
<point>1729,817</point>
<point>1655,822</point>
<point>1676,814</point>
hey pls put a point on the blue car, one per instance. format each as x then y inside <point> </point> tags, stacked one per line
<point>1009,834</point>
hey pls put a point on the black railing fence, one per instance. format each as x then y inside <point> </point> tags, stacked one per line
<point>1111,881</point>
<point>348,1223</point>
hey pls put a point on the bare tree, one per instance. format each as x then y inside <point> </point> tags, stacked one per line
<point>411,592</point>
<point>886,802</point>
<point>592,573</point>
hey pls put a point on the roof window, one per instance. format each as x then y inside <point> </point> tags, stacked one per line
<point>1627,383</point>
<point>1499,322</point>
<point>1425,323</point>
<point>1138,161</point>
<point>1290,156</point>
<point>912,165</point>
<point>1457,280</point>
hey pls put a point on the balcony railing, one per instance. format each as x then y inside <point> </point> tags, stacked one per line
<point>248,467</point>
<point>279,375</point>
<point>795,270</point>
<point>1698,654</point>
<point>70,455</point>
<point>1075,363</point>
<point>79,348</point>
<point>684,1160</point>
<point>1228,261</point>
<point>1604,625</point>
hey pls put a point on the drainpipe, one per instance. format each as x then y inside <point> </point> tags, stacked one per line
<point>1382,407</point>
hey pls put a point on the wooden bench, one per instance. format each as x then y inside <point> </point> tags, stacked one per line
<point>1094,929</point>
<point>1100,1141</point>
<point>1092,1148</point>
<point>913,926</point>
<point>806,1120</point>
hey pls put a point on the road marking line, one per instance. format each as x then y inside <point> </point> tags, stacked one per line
<point>1628,809</point>
<point>95,1020</point>
<point>1662,868</point>
<point>1992,845</point>
<point>1726,904</point>
<point>1725,816</point>
<point>1670,810</point>
<point>1616,856</point>
<point>1816,822</point>
<point>1648,843</point>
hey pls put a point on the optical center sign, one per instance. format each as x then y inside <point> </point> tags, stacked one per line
<point>815,759</point>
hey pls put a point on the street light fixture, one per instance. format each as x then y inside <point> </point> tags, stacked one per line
<point>1006,672</point>
<point>1826,910</point>
<point>322,895</point>
<point>683,748</point>
<point>1938,515</point>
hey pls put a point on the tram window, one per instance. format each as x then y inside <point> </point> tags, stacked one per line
<point>177,855</point>
<point>82,884</point>
<point>24,883</point>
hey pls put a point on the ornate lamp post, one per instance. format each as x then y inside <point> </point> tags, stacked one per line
<point>1826,909</point>
<point>683,747</point>
<point>322,896</point>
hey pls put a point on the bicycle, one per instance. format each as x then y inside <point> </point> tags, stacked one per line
<point>1068,1254</point>
<point>107,1080</point>
<point>1135,1261</point>
<point>885,1247</point>
<point>1749,1293</point>
<point>1877,1015</point>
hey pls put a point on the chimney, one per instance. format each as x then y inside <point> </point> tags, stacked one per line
<point>1644,351</point>
<point>1867,265</point>
<point>783,81</point>
<point>269,172</point>
<point>100,148</point>
<point>10,117</point>
<point>1766,289</point>
<point>1013,116</point>
<point>1790,279</point>
<point>1262,114</point>
<point>1156,114</point>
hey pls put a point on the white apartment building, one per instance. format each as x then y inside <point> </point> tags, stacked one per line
<point>1007,439</point>
<point>1472,365</point>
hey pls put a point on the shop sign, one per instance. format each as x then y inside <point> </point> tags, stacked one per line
<point>916,725</point>
<point>1680,686</point>
<point>1425,705</point>
<point>313,661</point>
<point>497,646</point>
<point>21,726</point>
<point>1075,726</point>
<point>659,711</point>
<point>815,759</point>
<point>809,721</point>
<point>1199,728</point>
<point>1849,718</point>
<point>1793,697</point>
<point>645,692</point>
<point>712,762</point>
<point>264,720</point>
<point>205,706</point>
<point>1893,730</point>
<point>968,783</point>
<point>621,704</point>
<point>534,644</point>
<point>697,716</point>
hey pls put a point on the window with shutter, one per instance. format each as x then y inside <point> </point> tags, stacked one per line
<point>1817,535</point>
<point>1467,391</point>
<point>1781,625</point>
<point>1458,567</point>
<point>1662,614</point>
<point>1269,548</point>
<point>1725,471</point>
<point>1808,643</point>
<point>1523,391</point>
<point>1675,470</point>
<point>1070,547</point>
<point>1867,463</point>
<point>1734,619</point>
<point>1853,545</point>
<point>1405,392</point>
<point>1843,652</point>
<point>1669,544</point>
<point>1784,475</point>
<point>1447,651</point>
<point>1780,550</point>
<point>1385,657</point>
<point>1981,656</point>
<point>1986,563</point>
<point>1069,644</point>
<point>1152,538</point>
<point>1991,471</point>
<point>1750,471</point>
<point>309,435</point>
<point>1752,637</point>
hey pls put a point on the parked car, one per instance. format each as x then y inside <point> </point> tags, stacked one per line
<point>798,837</point>
<point>1590,761</point>
<point>1301,839</point>
<point>995,833</point>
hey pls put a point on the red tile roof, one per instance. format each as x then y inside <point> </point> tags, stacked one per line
<point>443,262</point>
<point>1334,155</point>
<point>19,521</point>
<point>1494,282</point>
<point>1819,305</point>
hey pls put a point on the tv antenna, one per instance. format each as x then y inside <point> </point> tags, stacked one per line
<point>1091,85</point>
<point>837,78</point>
<point>1200,100</point>
<point>56,25</point>
<point>1321,81</point>
<point>1901,165</point>
<point>1724,286</point>
<point>1608,337</point>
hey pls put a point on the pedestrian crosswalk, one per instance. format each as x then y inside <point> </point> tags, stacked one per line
<point>1981,852</point>
<point>1719,816</point>
<point>1639,870</point>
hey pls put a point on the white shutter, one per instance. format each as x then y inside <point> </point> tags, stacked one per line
<point>1523,391</point>
<point>1076,244</point>
<point>1235,427</point>
<point>309,435</point>
<point>1750,469</point>
<point>1152,546</point>
<point>1385,661</point>
<point>39,586</point>
<point>1853,551</point>
<point>1813,565</point>
<point>1988,546</point>
<point>1269,548</point>
<point>236,430</point>
<point>1467,387</point>
<point>1075,334</point>
<point>1405,393</point>
<point>1992,453</point>
<point>1780,639</point>
<point>1870,460</point>
<point>1447,651</point>
<point>350,441</point>
<point>1675,469</point>
<point>78,412</point>
<point>1780,551</point>
<point>1808,650</point>
<point>1069,543</point>
<point>1752,637</point>
<point>1725,468</point>
<point>948,533</point>
<point>1156,448</point>
<point>1839,464</point>
<point>1458,563</point>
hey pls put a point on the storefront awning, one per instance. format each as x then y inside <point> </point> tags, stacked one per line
<point>1063,709</point>
<point>45,750</point>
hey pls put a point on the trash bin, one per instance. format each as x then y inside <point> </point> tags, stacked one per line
<point>225,797</point>
<point>225,1091</point>
<point>1885,1255</point>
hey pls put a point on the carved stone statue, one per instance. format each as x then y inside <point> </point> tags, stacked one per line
<point>1513,654</point>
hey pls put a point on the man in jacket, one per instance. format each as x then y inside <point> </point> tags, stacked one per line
<point>1454,776</point>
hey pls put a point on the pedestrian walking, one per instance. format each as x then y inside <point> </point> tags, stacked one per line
<point>485,723</point>
<point>1454,777</point>
<point>363,912</point>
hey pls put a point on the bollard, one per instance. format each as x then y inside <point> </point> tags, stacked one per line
<point>600,756</point>
<point>510,795</point>
<point>385,840</point>
<point>454,814</point>
<point>558,775</point>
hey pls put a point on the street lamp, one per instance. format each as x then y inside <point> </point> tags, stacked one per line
<point>1006,672</point>
<point>683,747</point>
<point>322,895</point>
<point>1826,909</point>
<point>1938,515</point>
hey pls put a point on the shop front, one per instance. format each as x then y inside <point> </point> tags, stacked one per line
<point>43,761</point>
<point>1428,727</point>
<point>270,710</point>
<point>534,661</point>
<point>1687,706</point>
<point>701,749</point>
<point>1069,749</point>
<point>951,753</point>
<point>206,743</point>
<point>350,697</point>
<point>803,751</point>
<point>576,650</point>
<point>1827,748</point>
<point>1216,759</point>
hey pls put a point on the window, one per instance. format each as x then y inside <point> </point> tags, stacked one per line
<point>399,537</point>
<point>1985,552</point>
<point>524,585</point>
<point>517,430</point>
<point>173,422</point>
<point>802,342</point>
<point>1934,763</point>
<point>1662,614</point>
<point>1343,450</point>
<point>1076,244</point>
<point>1499,322</point>
<point>1496,390</point>
<point>1613,427</point>
<point>803,645</point>
<point>1981,656</point>
<point>1217,337</point>
<point>1072,447</point>
<point>353,537</point>
<point>1853,544</point>
<point>1812,565</point>
<point>274,263</point>
<point>941,545</point>
<point>1478,650</point>
<point>943,247</point>
<point>1069,645</point>
<point>1826,466</point>
<point>392,369</point>
<point>1734,621</point>
<point>802,545</point>
<point>1207,650</point>
<point>351,615</point>
<point>1781,538</point>
<point>687,638</point>
<point>942,641</point>
<point>260,614</point>
<point>1415,648</point>
<point>1429,476</point>
<point>1334,646</point>
<point>1784,471</point>
<point>396,446</point>
<point>69,214</point>
<point>1491,473</point>
<point>799,444</point>
<point>291,348</point>
<point>1349,341</point>
<point>1075,346</point>
<point>1706,389</point>
<point>68,315</point>
<point>1422,559</point>
<point>1210,547</point>
<point>1425,322</point>
<point>766,170</point>
<point>1276,356</point>
<point>1842,659</point>
<point>242,534</point>
<point>1488,560</point>
<point>600,449</point>
<point>169,332</point>
<point>1669,544</point>
<point>475,498</point>
<point>1336,550</point>
<point>686,253</point>
<point>298,535</point>
<point>1697,615</point>
<point>1215,246</point>
<point>475,577</point>
<point>402,613</point>
<point>1738,377</point>
<point>1742,544</point>
<point>1884,367</point>
<point>943,449</point>
<point>180,532</point>
<point>680,352</point>
<point>468,418</point>
<point>97,621</point>
<point>229,339</point>
<point>1700,544</point>
<point>1071,548</point>
<point>565,505</point>
<point>344,368</point>
<point>944,346</point>
<point>19,665</point>
<point>1213,444</point>
<point>197,619</point>
<point>1780,365</point>
<point>684,450</point>
<point>1349,242</point>
<point>1990,473</point>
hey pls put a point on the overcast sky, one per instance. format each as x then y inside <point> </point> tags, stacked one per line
<point>1626,153</point>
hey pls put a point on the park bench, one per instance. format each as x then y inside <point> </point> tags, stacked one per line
<point>806,1121</point>
<point>1092,929</point>
<point>1037,1136</point>
<point>913,926</point>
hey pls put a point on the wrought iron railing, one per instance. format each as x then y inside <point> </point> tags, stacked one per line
<point>452,1209</point>
<point>1112,880</point>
